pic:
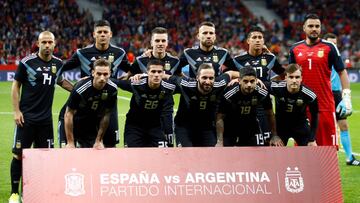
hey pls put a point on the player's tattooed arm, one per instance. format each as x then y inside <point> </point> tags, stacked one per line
<point>275,139</point>
<point>104,123</point>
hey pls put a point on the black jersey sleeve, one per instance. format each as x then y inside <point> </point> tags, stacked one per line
<point>110,104</point>
<point>72,63</point>
<point>125,64</point>
<point>277,68</point>
<point>229,63</point>
<point>183,62</point>
<point>335,59</point>
<point>20,74</point>
<point>135,68</point>
<point>123,84</point>
<point>74,100</point>
<point>266,103</point>
<point>292,56</point>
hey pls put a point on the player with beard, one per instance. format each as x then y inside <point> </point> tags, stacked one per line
<point>159,43</point>
<point>83,59</point>
<point>236,120</point>
<point>89,108</point>
<point>292,99</point>
<point>317,57</point>
<point>206,52</point>
<point>195,118</point>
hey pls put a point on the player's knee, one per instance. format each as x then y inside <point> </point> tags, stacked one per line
<point>17,156</point>
<point>343,125</point>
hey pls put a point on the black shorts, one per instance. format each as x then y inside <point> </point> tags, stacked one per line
<point>85,132</point>
<point>299,133</point>
<point>111,137</point>
<point>42,136</point>
<point>187,136</point>
<point>138,136</point>
<point>337,98</point>
<point>244,134</point>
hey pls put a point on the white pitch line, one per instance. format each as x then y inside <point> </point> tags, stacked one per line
<point>354,153</point>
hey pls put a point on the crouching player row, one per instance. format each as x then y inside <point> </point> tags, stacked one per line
<point>238,110</point>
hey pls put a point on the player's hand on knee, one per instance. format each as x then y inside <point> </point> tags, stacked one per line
<point>219,143</point>
<point>276,141</point>
<point>99,145</point>
<point>312,143</point>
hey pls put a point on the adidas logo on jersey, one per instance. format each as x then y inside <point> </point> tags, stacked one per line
<point>93,58</point>
<point>198,59</point>
<point>247,64</point>
<point>300,54</point>
<point>38,69</point>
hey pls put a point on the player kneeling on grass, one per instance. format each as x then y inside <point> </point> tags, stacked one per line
<point>238,111</point>
<point>89,107</point>
<point>292,99</point>
<point>149,121</point>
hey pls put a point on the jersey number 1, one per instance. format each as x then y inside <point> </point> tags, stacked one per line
<point>310,63</point>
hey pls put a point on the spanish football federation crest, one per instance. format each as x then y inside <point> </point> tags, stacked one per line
<point>53,69</point>
<point>320,53</point>
<point>294,183</point>
<point>215,58</point>
<point>74,184</point>
<point>111,58</point>
<point>263,62</point>
<point>167,66</point>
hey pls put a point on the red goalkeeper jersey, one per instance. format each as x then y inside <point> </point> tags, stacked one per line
<point>316,62</point>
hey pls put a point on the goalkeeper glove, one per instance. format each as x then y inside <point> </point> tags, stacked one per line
<point>344,108</point>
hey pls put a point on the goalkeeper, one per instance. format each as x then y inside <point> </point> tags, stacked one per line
<point>340,106</point>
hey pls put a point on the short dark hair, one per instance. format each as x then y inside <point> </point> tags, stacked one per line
<point>254,29</point>
<point>101,23</point>
<point>247,71</point>
<point>155,62</point>
<point>330,35</point>
<point>291,68</point>
<point>204,66</point>
<point>207,23</point>
<point>101,62</point>
<point>311,16</point>
<point>159,30</point>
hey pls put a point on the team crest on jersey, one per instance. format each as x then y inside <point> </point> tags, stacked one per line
<point>215,58</point>
<point>53,69</point>
<point>213,98</point>
<point>18,145</point>
<point>74,184</point>
<point>104,95</point>
<point>111,58</point>
<point>299,102</point>
<point>263,62</point>
<point>320,53</point>
<point>254,101</point>
<point>162,95</point>
<point>167,66</point>
<point>294,182</point>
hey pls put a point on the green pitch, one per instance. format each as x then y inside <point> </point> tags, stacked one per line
<point>350,176</point>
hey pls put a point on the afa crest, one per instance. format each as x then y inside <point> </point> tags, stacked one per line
<point>167,66</point>
<point>215,58</point>
<point>53,69</point>
<point>294,182</point>
<point>320,53</point>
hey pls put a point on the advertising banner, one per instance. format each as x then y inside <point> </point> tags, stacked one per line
<point>263,174</point>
